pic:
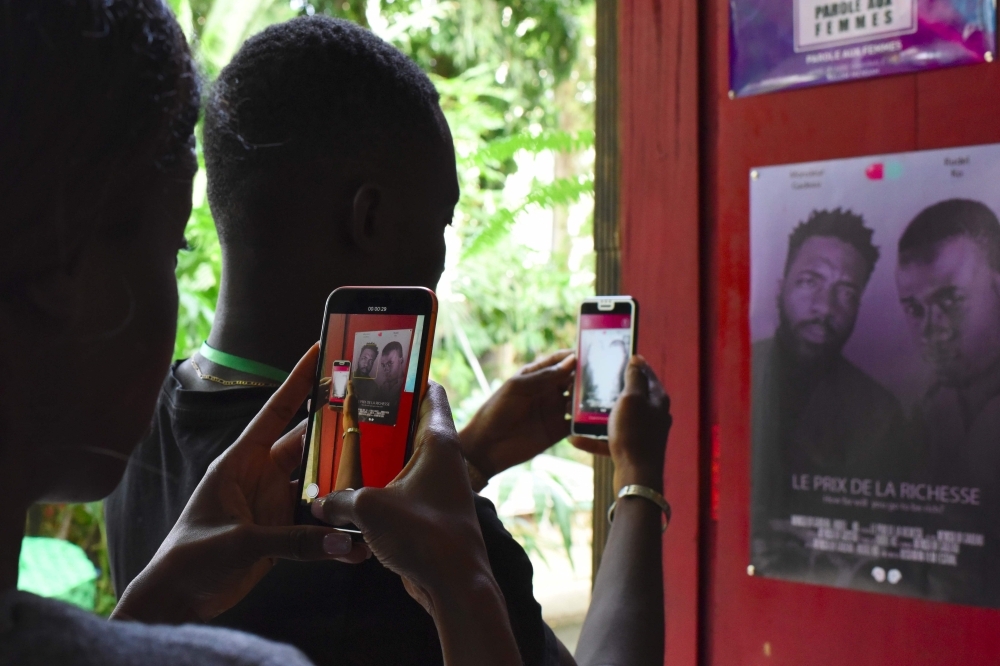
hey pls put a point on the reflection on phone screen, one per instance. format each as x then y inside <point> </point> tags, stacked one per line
<point>380,354</point>
<point>605,347</point>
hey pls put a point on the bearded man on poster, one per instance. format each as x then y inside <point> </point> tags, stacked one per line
<point>815,412</point>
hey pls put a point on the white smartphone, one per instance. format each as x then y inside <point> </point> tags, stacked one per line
<point>606,340</point>
<point>338,389</point>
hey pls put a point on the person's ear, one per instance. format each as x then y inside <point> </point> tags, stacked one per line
<point>54,296</point>
<point>40,308</point>
<point>366,216</point>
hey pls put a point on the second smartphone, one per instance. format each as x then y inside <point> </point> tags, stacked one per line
<point>381,339</point>
<point>607,332</point>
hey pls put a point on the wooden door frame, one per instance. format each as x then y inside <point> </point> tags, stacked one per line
<point>647,235</point>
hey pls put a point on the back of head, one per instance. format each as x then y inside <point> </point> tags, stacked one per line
<point>93,95</point>
<point>313,88</point>
<point>950,219</point>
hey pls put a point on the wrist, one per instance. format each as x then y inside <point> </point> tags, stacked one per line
<point>632,475</point>
<point>477,479</point>
<point>475,450</point>
<point>473,622</point>
<point>145,601</point>
<point>463,598</point>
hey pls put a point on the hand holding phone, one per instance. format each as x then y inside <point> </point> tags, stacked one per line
<point>424,528</point>
<point>638,429</point>
<point>525,416</point>
<point>378,341</point>
<point>237,522</point>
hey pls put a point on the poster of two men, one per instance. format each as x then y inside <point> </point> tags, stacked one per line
<point>875,324</point>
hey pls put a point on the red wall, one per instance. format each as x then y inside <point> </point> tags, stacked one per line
<point>686,154</point>
<point>660,267</point>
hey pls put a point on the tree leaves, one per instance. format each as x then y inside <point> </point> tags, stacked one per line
<point>560,192</point>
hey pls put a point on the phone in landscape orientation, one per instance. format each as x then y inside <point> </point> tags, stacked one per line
<point>338,387</point>
<point>606,340</point>
<point>381,339</point>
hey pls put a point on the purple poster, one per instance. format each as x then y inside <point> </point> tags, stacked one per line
<point>784,44</point>
<point>875,373</point>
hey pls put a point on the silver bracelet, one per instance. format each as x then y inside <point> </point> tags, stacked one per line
<point>635,490</point>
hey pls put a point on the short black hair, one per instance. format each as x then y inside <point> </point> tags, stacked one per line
<point>95,99</point>
<point>838,223</point>
<point>311,87</point>
<point>393,346</point>
<point>368,345</point>
<point>948,219</point>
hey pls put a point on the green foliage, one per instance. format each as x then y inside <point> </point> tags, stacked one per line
<point>504,148</point>
<point>553,502</point>
<point>199,270</point>
<point>83,524</point>
<point>559,192</point>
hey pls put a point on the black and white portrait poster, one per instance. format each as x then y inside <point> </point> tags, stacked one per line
<point>875,328</point>
<point>380,373</point>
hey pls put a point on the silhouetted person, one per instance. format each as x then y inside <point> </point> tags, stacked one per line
<point>98,103</point>
<point>329,163</point>
<point>815,412</point>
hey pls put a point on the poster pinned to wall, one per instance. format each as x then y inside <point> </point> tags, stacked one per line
<point>875,374</point>
<point>784,44</point>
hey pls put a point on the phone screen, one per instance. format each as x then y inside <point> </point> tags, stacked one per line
<point>381,354</point>
<point>605,346</point>
<point>338,387</point>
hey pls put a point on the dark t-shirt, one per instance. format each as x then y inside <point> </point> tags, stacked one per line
<point>336,613</point>
<point>43,632</point>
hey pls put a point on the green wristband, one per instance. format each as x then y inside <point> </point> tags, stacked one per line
<point>234,362</point>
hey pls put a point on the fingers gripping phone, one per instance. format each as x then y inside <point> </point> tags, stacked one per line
<point>381,340</point>
<point>606,340</point>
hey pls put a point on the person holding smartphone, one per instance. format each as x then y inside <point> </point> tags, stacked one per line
<point>625,621</point>
<point>93,221</point>
<point>356,186</point>
<point>113,295</point>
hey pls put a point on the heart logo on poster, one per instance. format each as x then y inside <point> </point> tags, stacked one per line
<point>890,170</point>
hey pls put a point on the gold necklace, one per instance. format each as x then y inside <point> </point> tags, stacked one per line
<point>228,382</point>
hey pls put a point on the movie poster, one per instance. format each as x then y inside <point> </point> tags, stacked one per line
<point>875,373</point>
<point>379,370</point>
<point>784,44</point>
